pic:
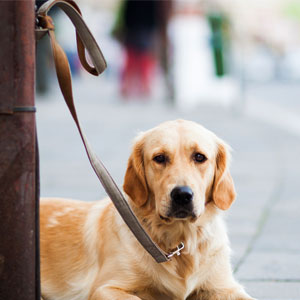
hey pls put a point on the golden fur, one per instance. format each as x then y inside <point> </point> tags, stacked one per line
<point>87,251</point>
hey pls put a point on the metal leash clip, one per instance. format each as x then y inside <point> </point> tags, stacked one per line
<point>176,251</point>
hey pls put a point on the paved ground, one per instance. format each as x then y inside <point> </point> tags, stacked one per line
<point>263,223</point>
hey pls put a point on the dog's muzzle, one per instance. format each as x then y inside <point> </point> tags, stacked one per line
<point>182,202</point>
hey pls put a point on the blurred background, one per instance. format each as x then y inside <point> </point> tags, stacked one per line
<point>231,65</point>
<point>223,45</point>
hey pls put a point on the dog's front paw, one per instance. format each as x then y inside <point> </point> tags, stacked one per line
<point>221,295</point>
<point>229,295</point>
<point>236,293</point>
<point>242,296</point>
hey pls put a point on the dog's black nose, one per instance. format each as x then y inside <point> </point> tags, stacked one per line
<point>182,195</point>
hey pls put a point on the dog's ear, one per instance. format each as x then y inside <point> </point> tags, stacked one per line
<point>135,185</point>
<point>223,193</point>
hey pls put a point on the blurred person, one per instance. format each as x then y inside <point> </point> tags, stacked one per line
<point>138,24</point>
<point>219,25</point>
<point>165,13</point>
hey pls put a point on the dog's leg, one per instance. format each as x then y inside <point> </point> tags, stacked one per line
<point>225,294</point>
<point>110,292</point>
<point>228,289</point>
<point>221,285</point>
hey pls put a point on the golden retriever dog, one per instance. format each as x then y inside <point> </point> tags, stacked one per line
<point>177,183</point>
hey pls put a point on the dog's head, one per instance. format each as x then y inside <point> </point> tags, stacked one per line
<point>180,166</point>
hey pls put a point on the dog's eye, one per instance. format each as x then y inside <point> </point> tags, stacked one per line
<point>200,158</point>
<point>160,159</point>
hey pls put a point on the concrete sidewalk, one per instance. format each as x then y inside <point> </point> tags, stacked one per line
<point>263,223</point>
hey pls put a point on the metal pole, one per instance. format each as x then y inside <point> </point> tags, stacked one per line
<point>18,188</point>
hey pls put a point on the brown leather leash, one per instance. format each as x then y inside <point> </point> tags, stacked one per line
<point>86,41</point>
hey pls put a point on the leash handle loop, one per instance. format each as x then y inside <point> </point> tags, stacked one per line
<point>84,37</point>
<point>86,40</point>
